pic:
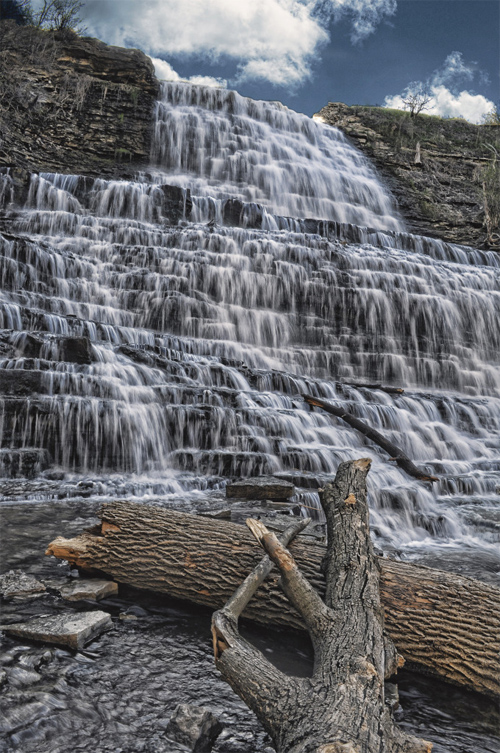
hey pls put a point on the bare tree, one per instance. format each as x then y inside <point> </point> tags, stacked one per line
<point>58,15</point>
<point>416,97</point>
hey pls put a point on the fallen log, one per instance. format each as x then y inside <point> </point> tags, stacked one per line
<point>341,707</point>
<point>447,624</point>
<point>394,451</point>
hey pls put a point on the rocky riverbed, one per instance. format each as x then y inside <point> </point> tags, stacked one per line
<point>120,691</point>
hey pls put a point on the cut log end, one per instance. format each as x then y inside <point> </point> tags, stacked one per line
<point>71,550</point>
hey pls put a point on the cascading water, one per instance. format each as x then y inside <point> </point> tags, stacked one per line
<point>156,338</point>
<point>204,336</point>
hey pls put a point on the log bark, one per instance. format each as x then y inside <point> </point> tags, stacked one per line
<point>394,451</point>
<point>447,624</point>
<point>341,707</point>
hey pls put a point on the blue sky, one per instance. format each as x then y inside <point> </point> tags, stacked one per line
<point>308,52</point>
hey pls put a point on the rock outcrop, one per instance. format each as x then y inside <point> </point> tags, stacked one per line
<point>73,105</point>
<point>434,167</point>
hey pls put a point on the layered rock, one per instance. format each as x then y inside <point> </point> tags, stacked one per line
<point>72,104</point>
<point>433,166</point>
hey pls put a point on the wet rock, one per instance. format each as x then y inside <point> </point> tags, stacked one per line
<point>73,630</point>
<point>84,588</point>
<point>20,382</point>
<point>16,584</point>
<point>263,487</point>
<point>177,203</point>
<point>194,726</point>
<point>238,214</point>
<point>27,462</point>
<point>232,212</point>
<point>76,350</point>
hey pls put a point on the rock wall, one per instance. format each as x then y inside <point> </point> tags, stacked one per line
<point>434,166</point>
<point>73,105</point>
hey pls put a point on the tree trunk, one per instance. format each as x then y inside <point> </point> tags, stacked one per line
<point>341,708</point>
<point>448,624</point>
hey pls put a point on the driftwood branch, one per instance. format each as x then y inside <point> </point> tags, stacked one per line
<point>341,708</point>
<point>381,387</point>
<point>444,623</point>
<point>395,452</point>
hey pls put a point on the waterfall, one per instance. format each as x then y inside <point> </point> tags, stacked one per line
<point>157,358</point>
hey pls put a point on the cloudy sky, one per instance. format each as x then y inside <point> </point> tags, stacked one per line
<point>308,52</point>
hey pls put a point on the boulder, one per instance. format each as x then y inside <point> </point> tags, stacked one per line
<point>16,584</point>
<point>262,487</point>
<point>70,630</point>
<point>194,726</point>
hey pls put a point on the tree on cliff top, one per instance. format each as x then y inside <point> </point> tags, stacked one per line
<point>55,15</point>
<point>416,98</point>
<point>60,14</point>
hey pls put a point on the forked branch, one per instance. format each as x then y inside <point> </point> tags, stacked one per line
<point>341,707</point>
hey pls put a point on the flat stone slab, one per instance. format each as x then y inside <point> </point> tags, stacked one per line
<point>73,630</point>
<point>262,487</point>
<point>18,585</point>
<point>84,588</point>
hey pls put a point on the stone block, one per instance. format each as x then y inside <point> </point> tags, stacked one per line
<point>84,588</point>
<point>72,630</point>
<point>262,487</point>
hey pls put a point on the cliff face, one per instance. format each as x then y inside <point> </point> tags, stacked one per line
<point>71,104</point>
<point>434,167</point>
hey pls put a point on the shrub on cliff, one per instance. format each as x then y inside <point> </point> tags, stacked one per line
<point>58,15</point>
<point>53,15</point>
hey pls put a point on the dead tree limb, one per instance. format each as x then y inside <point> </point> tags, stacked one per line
<point>341,708</point>
<point>381,387</point>
<point>394,451</point>
<point>447,624</point>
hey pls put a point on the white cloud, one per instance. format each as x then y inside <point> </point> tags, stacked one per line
<point>165,72</point>
<point>365,14</point>
<point>472,107</point>
<point>453,70</point>
<point>274,40</point>
<point>447,98</point>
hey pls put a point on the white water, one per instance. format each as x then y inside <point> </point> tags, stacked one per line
<point>204,338</point>
<point>223,145</point>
